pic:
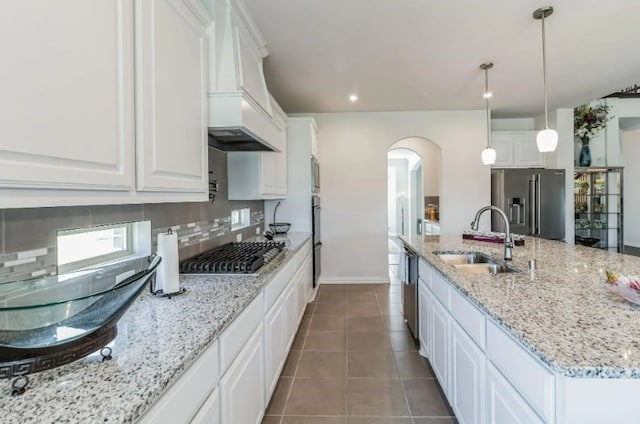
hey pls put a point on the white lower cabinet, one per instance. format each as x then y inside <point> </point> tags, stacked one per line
<point>504,404</point>
<point>486,375</point>
<point>290,299</point>
<point>242,387</point>
<point>249,354</point>
<point>209,412</point>
<point>467,377</point>
<point>440,329</point>
<point>275,343</point>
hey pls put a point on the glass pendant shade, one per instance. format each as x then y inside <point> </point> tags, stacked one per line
<point>547,140</point>
<point>488,156</point>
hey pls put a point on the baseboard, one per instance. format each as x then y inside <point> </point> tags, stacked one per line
<point>632,244</point>
<point>354,280</point>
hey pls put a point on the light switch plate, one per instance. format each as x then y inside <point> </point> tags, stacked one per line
<point>257,230</point>
<point>239,237</point>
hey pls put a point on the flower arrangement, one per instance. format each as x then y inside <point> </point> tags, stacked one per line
<point>588,120</point>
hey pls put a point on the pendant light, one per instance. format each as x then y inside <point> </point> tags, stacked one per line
<point>547,139</point>
<point>488,154</point>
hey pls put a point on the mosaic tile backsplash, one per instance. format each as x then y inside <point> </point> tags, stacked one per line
<point>28,236</point>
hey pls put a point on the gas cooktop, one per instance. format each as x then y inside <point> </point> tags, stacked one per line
<point>233,258</point>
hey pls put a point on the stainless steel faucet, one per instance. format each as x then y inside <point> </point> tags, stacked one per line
<point>508,237</point>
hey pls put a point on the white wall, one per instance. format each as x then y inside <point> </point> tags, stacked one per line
<point>353,153</point>
<point>430,153</point>
<point>631,192</point>
<point>512,124</point>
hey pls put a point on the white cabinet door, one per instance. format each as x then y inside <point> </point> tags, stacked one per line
<point>439,346</point>
<point>305,285</point>
<point>209,412</point>
<point>254,175</point>
<point>290,298</point>
<point>467,377</point>
<point>268,182</point>
<point>274,336</point>
<point>424,313</point>
<point>503,145</point>
<point>526,152</point>
<point>504,404</point>
<point>171,84</point>
<point>66,111</point>
<point>242,386</point>
<point>516,149</point>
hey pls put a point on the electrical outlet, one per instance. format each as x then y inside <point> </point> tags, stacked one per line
<point>257,231</point>
<point>239,237</point>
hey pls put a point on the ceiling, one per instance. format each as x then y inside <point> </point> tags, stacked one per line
<point>425,54</point>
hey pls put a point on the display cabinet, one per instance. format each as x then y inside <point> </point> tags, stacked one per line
<point>599,208</point>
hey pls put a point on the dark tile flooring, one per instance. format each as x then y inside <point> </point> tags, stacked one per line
<point>354,362</point>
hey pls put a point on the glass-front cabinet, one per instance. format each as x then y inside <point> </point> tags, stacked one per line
<point>598,208</point>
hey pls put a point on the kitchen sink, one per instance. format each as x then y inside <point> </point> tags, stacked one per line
<point>475,263</point>
<point>466,258</point>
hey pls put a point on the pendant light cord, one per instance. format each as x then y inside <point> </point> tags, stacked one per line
<point>486,97</point>
<point>544,74</point>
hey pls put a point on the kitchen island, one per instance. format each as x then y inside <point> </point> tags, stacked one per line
<point>158,340</point>
<point>585,340</point>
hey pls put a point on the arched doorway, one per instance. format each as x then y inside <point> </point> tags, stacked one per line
<point>413,193</point>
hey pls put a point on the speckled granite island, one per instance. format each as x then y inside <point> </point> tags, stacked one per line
<point>579,343</point>
<point>158,339</point>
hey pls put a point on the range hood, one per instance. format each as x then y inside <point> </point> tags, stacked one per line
<point>242,114</point>
<point>236,140</point>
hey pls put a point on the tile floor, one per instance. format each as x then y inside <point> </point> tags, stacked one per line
<point>354,362</point>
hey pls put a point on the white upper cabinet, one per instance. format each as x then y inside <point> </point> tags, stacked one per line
<point>171,84</point>
<point>104,102</point>
<point>66,109</point>
<point>516,149</point>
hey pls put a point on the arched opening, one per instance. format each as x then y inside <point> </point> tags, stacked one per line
<point>413,194</point>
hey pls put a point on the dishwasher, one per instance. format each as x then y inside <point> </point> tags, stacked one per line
<point>410,291</point>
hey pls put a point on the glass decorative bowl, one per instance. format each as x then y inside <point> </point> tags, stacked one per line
<point>627,288</point>
<point>51,321</point>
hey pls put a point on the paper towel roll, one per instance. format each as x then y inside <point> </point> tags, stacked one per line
<point>167,278</point>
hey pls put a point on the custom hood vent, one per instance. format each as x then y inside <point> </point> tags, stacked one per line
<point>242,113</point>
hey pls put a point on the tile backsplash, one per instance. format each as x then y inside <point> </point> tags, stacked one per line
<point>28,236</point>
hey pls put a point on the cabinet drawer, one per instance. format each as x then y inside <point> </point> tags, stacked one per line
<point>278,284</point>
<point>469,317</point>
<point>241,328</point>
<point>440,288</point>
<point>534,382</point>
<point>183,398</point>
<point>424,271</point>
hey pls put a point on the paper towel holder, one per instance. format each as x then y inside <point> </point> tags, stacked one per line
<point>160,292</point>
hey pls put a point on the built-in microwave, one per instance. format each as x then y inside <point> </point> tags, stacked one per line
<point>315,175</point>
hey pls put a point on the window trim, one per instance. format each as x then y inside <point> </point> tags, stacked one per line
<point>101,259</point>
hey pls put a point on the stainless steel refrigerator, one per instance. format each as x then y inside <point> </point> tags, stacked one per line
<point>533,200</point>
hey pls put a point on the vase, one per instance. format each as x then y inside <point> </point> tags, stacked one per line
<point>585,156</point>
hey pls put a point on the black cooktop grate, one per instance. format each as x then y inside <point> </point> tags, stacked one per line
<point>232,258</point>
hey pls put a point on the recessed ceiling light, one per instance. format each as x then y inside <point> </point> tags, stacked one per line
<point>353,98</point>
<point>487,95</point>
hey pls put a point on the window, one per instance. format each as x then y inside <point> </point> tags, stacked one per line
<point>84,247</point>
<point>240,218</point>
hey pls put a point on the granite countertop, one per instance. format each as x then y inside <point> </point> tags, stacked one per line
<point>157,341</point>
<point>561,312</point>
